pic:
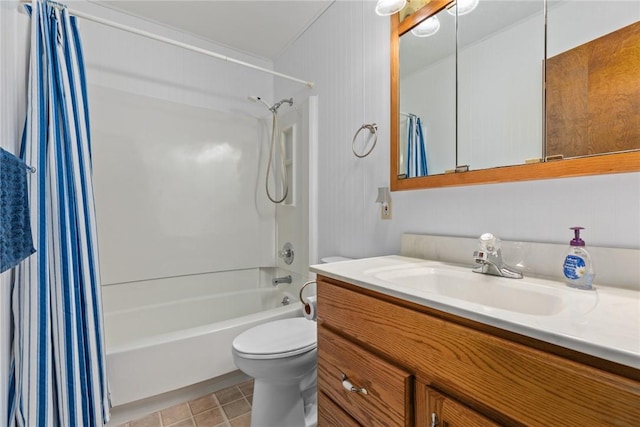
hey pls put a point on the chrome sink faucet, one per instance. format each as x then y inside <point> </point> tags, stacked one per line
<point>490,259</point>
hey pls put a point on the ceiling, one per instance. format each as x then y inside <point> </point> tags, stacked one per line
<point>263,28</point>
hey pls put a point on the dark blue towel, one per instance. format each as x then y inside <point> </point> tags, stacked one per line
<point>16,242</point>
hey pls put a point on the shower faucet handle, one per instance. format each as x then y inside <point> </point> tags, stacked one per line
<point>287,253</point>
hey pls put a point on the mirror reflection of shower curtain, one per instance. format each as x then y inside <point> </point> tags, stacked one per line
<point>416,150</point>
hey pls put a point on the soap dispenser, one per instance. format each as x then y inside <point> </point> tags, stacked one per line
<point>578,267</point>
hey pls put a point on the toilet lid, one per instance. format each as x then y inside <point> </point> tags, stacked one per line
<point>279,338</point>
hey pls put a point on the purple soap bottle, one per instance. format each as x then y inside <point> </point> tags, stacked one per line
<point>578,267</point>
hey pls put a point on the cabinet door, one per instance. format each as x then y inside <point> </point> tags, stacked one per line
<point>443,411</point>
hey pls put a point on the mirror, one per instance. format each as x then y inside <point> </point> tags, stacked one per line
<point>499,115</point>
<point>428,73</point>
<point>500,77</point>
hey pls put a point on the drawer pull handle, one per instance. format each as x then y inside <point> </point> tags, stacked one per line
<point>350,387</point>
<point>434,420</point>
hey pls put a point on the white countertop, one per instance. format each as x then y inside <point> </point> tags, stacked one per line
<point>604,322</point>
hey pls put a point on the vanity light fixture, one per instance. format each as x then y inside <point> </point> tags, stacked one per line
<point>389,7</point>
<point>463,7</point>
<point>427,28</point>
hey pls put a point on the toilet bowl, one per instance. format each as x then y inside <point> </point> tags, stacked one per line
<point>281,356</point>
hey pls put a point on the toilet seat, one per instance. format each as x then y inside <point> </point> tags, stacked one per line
<point>277,339</point>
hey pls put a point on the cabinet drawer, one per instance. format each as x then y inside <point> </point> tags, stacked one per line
<point>387,401</point>
<point>331,415</point>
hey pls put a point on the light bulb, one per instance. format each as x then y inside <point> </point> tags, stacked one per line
<point>427,28</point>
<point>389,7</point>
<point>463,7</point>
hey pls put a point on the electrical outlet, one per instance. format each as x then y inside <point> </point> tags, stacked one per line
<point>385,210</point>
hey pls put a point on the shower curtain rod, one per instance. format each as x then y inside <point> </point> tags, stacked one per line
<point>176,43</point>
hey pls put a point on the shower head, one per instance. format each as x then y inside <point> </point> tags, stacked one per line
<point>258,99</point>
<point>273,108</point>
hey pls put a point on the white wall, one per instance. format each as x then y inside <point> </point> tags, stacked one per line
<point>138,65</point>
<point>347,50</point>
<point>345,53</point>
<point>13,72</point>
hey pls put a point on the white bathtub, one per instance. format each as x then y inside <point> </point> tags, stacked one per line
<point>164,335</point>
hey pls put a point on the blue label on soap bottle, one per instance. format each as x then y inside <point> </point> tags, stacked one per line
<point>574,267</point>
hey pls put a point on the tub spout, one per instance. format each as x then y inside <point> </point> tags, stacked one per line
<point>277,280</point>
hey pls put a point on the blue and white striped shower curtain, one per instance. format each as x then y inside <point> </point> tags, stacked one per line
<point>59,374</point>
<point>416,150</point>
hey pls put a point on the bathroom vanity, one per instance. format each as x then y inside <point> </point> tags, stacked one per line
<point>391,352</point>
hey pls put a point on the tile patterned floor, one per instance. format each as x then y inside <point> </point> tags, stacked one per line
<point>230,407</point>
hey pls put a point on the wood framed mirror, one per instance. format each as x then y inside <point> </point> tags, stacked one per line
<point>544,168</point>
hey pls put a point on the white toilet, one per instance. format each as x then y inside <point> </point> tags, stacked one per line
<point>281,356</point>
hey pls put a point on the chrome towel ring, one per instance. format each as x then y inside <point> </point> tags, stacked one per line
<point>302,289</point>
<point>373,128</point>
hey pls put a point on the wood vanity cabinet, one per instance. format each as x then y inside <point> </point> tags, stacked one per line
<point>417,363</point>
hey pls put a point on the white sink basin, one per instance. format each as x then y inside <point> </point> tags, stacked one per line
<point>516,295</point>
<point>603,322</point>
